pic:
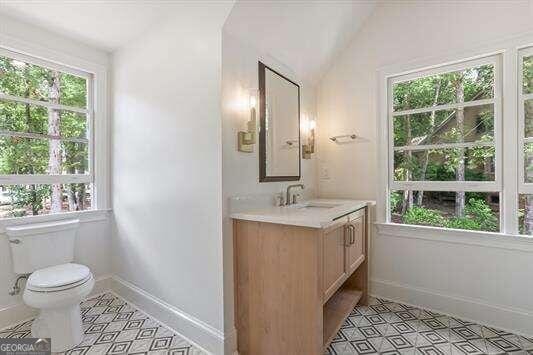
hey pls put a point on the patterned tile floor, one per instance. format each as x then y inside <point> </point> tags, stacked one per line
<point>113,326</point>
<point>385,327</point>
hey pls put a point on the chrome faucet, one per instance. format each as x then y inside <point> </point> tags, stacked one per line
<point>288,200</point>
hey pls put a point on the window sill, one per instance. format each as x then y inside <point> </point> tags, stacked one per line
<point>456,236</point>
<point>83,216</point>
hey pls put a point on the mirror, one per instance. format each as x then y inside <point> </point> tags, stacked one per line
<point>279,135</point>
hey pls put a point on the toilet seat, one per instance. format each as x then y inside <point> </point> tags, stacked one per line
<point>58,278</point>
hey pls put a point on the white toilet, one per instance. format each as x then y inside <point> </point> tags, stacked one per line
<point>56,286</point>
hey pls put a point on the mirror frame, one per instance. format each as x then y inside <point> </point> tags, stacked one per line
<point>263,177</point>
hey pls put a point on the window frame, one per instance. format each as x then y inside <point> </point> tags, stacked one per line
<point>85,62</point>
<point>21,179</point>
<point>508,235</point>
<point>523,186</point>
<point>480,186</point>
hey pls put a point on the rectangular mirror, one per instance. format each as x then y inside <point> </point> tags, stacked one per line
<point>279,135</point>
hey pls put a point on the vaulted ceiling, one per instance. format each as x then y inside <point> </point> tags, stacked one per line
<point>304,35</point>
<point>105,24</point>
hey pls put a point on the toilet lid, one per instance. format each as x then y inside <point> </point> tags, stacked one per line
<point>59,275</point>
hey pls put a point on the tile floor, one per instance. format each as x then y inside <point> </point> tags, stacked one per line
<point>385,327</point>
<point>112,326</point>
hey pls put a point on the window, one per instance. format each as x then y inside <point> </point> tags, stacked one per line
<point>445,146</point>
<point>46,142</point>
<point>525,114</point>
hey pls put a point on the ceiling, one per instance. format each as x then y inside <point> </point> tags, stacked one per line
<point>304,35</point>
<point>105,24</point>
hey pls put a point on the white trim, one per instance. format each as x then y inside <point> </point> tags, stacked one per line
<point>4,133</point>
<point>43,61</point>
<point>481,186</point>
<point>188,326</point>
<point>443,146</point>
<point>454,65</point>
<point>527,97</point>
<point>446,107</point>
<point>46,104</point>
<point>99,125</point>
<point>19,312</point>
<point>496,62</point>
<point>523,186</point>
<point>82,216</point>
<point>457,236</point>
<point>45,179</point>
<point>507,162</point>
<point>514,320</point>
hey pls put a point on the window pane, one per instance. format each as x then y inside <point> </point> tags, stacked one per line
<point>443,126</point>
<point>75,158</point>
<point>72,124</point>
<point>528,162</point>
<point>32,156</point>
<point>528,118</point>
<point>34,82</point>
<point>527,71</point>
<point>28,200</point>
<point>525,214</point>
<point>444,164</point>
<point>460,86</point>
<point>23,155</point>
<point>458,210</point>
<point>25,118</point>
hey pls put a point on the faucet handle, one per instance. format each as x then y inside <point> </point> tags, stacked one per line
<point>295,198</point>
<point>280,201</point>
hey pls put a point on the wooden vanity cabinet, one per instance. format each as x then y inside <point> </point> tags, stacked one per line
<point>355,241</point>
<point>294,286</point>
<point>334,254</point>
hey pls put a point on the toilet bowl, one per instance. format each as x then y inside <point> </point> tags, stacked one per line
<point>56,285</point>
<point>57,292</point>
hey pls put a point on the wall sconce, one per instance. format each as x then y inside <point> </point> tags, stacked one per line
<point>308,128</point>
<point>246,139</point>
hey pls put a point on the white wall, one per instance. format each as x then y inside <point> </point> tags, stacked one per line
<point>490,284</point>
<point>167,183</point>
<point>92,246</point>
<point>240,171</point>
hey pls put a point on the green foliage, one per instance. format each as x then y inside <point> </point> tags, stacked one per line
<point>424,216</point>
<point>478,216</point>
<point>395,199</point>
<point>527,70</point>
<point>479,211</point>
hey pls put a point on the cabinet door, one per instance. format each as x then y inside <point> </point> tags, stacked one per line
<point>355,240</point>
<point>334,254</point>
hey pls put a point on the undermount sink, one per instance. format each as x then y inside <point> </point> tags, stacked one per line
<point>313,205</point>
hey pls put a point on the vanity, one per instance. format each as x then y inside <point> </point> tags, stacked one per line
<point>299,272</point>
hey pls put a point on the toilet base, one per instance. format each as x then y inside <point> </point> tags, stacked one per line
<point>62,325</point>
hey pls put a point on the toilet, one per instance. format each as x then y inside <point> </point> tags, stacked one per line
<point>55,286</point>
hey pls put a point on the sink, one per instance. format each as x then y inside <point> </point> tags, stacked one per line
<point>322,205</point>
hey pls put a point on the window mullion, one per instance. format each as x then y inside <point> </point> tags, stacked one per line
<point>43,179</point>
<point>445,107</point>
<point>42,103</point>
<point>41,136</point>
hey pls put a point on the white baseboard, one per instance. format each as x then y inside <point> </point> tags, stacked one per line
<point>18,312</point>
<point>191,328</point>
<point>514,320</point>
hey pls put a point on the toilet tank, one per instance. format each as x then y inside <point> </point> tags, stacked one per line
<point>39,245</point>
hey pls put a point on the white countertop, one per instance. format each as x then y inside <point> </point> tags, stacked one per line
<point>300,215</point>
